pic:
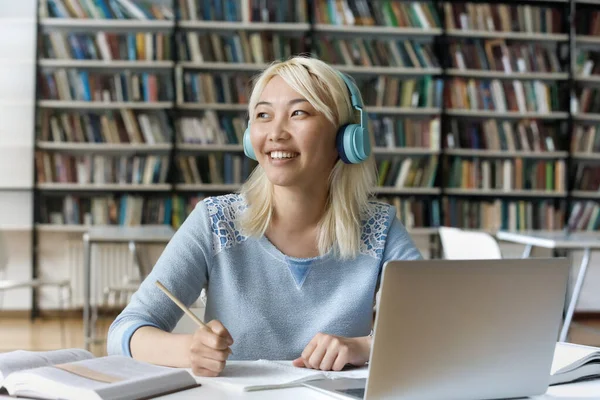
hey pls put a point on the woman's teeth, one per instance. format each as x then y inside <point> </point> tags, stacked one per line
<point>282,154</point>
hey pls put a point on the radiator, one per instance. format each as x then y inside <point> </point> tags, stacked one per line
<point>112,265</point>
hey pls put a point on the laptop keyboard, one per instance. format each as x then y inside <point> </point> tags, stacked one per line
<point>359,393</point>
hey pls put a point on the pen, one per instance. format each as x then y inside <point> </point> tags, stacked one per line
<point>183,307</point>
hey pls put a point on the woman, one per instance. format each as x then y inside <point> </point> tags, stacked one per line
<point>292,263</point>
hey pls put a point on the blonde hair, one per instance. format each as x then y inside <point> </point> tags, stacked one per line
<point>350,185</point>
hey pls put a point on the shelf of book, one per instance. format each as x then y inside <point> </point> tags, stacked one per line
<point>103,187</point>
<point>525,36</point>
<point>104,105</point>
<point>206,187</point>
<point>106,64</point>
<point>592,80</point>
<point>349,69</point>
<point>244,26</point>
<point>586,117</point>
<point>587,40</point>
<point>585,194</point>
<point>376,30</point>
<point>113,25</point>
<point>478,114</point>
<point>407,191</point>
<point>104,148</point>
<point>503,193</point>
<point>580,156</point>
<point>506,154</point>
<point>473,73</point>
<point>58,228</point>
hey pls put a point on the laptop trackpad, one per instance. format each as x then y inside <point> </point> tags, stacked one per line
<point>350,388</point>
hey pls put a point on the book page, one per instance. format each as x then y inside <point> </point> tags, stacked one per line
<point>129,379</point>
<point>261,374</point>
<point>21,359</point>
<point>569,356</point>
<point>266,374</point>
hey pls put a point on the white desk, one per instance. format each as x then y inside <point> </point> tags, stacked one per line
<point>111,235</point>
<point>558,240</point>
<point>574,391</point>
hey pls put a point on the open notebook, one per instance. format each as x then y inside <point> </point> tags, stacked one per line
<point>248,376</point>
<point>76,374</point>
<point>574,362</point>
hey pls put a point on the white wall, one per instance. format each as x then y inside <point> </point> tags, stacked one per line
<point>17,110</point>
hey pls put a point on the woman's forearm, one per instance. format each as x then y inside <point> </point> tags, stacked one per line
<point>152,345</point>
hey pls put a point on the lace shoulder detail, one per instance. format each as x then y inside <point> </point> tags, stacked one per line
<point>376,222</point>
<point>223,212</point>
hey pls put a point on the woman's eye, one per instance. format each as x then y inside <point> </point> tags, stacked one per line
<point>262,115</point>
<point>298,112</point>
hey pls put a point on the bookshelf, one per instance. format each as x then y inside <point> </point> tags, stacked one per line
<point>421,67</point>
<point>505,147</point>
<point>104,131</point>
<point>584,202</point>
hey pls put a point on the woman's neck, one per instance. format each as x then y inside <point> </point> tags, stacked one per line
<point>297,210</point>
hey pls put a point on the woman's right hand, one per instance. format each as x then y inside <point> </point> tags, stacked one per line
<point>209,349</point>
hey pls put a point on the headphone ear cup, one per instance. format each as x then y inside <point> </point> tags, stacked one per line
<point>339,144</point>
<point>347,139</point>
<point>248,150</point>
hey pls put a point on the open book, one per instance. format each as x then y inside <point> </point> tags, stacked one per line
<point>77,374</point>
<point>248,376</point>
<point>574,362</point>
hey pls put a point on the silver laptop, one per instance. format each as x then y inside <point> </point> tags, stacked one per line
<point>468,329</point>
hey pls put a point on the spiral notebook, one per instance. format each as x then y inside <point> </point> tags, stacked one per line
<point>246,376</point>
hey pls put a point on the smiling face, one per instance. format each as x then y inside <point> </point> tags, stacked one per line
<point>293,142</point>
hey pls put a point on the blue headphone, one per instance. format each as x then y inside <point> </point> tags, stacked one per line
<point>352,140</point>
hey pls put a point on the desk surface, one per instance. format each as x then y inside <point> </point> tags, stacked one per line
<point>553,239</point>
<point>123,234</point>
<point>573,391</point>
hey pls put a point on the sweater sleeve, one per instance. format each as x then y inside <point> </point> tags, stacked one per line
<point>182,268</point>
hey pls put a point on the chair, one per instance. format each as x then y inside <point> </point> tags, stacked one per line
<point>459,244</point>
<point>34,284</point>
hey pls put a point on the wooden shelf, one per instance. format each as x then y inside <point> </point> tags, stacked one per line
<point>104,148</point>
<point>581,156</point>
<point>585,194</point>
<point>590,80</point>
<point>105,187</point>
<point>349,69</point>
<point>505,154</point>
<point>105,64</point>
<point>538,37</point>
<point>402,71</point>
<point>586,117</point>
<point>207,187</point>
<point>244,26</point>
<point>425,111</point>
<point>101,105</point>
<point>118,25</point>
<point>212,106</point>
<point>587,40</point>
<point>406,190</point>
<point>208,148</point>
<point>66,228</point>
<point>503,193</point>
<point>555,115</point>
<point>376,30</point>
<point>417,151</point>
<point>474,73</point>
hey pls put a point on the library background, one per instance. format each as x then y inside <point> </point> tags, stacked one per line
<point>485,117</point>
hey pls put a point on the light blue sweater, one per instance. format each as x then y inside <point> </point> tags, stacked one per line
<point>271,304</point>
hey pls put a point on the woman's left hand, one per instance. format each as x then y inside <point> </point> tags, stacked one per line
<point>330,352</point>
